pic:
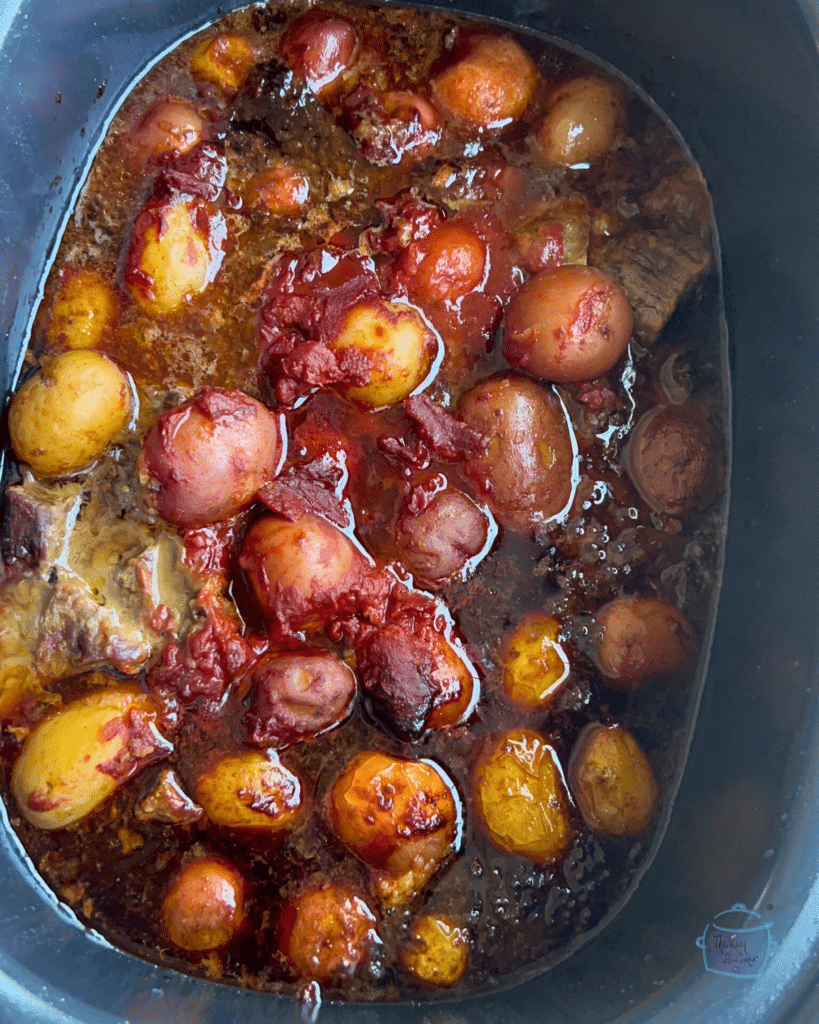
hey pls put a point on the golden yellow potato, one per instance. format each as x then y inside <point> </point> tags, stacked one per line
<point>224,60</point>
<point>204,905</point>
<point>534,663</point>
<point>68,414</point>
<point>251,790</point>
<point>612,781</point>
<point>84,310</point>
<point>582,120</point>
<point>399,344</point>
<point>520,798</point>
<point>74,760</point>
<point>437,952</point>
<point>170,258</point>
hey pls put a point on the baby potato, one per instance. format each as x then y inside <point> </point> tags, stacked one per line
<point>251,790</point>
<point>398,344</point>
<point>74,760</point>
<point>282,189</point>
<point>224,60</point>
<point>320,47</point>
<point>172,256</point>
<point>68,414</point>
<point>169,126</point>
<point>204,905</point>
<point>642,639</point>
<point>84,310</point>
<point>437,952</point>
<point>326,933</point>
<point>491,85</point>
<point>612,781</point>
<point>534,663</point>
<point>520,797</point>
<point>402,817</point>
<point>582,120</point>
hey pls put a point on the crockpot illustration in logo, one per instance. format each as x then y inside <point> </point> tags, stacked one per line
<point>736,947</point>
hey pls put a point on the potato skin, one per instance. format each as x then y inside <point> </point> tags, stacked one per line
<point>437,952</point>
<point>69,413</point>
<point>520,799</point>
<point>535,664</point>
<point>567,324</point>
<point>294,696</point>
<point>204,461</point>
<point>491,85</point>
<point>327,932</point>
<point>77,758</point>
<point>582,120</point>
<point>643,639</point>
<point>85,309</point>
<point>204,905</point>
<point>224,60</point>
<point>251,790</point>
<point>526,473</point>
<point>612,781</point>
<point>320,47</point>
<point>169,126</point>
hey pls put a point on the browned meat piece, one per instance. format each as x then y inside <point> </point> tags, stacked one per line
<point>167,802</point>
<point>660,264</point>
<point>34,526</point>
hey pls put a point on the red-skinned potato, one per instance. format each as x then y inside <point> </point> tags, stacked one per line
<point>204,906</point>
<point>204,461</point>
<point>320,46</point>
<point>567,324</point>
<point>282,189</point>
<point>299,570</point>
<point>402,817</point>
<point>442,536</point>
<point>526,472</point>
<point>612,781</point>
<point>169,126</point>
<point>671,459</point>
<point>293,696</point>
<point>491,85</point>
<point>326,933</point>
<point>642,639</point>
<point>447,264</point>
<point>582,121</point>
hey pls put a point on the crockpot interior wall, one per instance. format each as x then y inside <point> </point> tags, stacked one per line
<point>739,78</point>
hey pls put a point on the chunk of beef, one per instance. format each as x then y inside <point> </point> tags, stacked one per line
<point>167,802</point>
<point>34,526</point>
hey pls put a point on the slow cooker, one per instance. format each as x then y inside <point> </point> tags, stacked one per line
<point>725,924</point>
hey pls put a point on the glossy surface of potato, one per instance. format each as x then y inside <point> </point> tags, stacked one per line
<point>490,86</point>
<point>297,695</point>
<point>305,564</point>
<point>281,189</point>
<point>204,461</point>
<point>445,538</point>
<point>612,781</point>
<point>84,311</point>
<point>69,413</point>
<point>642,639</point>
<point>326,933</point>
<point>535,665</point>
<point>401,817</point>
<point>520,797</point>
<point>169,126</point>
<point>397,343</point>
<point>567,324</point>
<point>583,119</point>
<point>320,47</point>
<point>671,459</point>
<point>223,60</point>
<point>452,262</point>
<point>251,790</point>
<point>526,474</point>
<point>74,760</point>
<point>204,905</point>
<point>438,951</point>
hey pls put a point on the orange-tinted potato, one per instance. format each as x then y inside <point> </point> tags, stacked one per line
<point>612,781</point>
<point>84,311</point>
<point>449,262</point>
<point>402,817</point>
<point>251,790</point>
<point>642,638</point>
<point>169,126</point>
<point>204,461</point>
<point>491,85</point>
<point>326,933</point>
<point>526,474</point>
<point>568,323</point>
<point>535,664</point>
<point>437,952</point>
<point>520,797</point>
<point>224,60</point>
<point>282,189</point>
<point>204,906</point>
